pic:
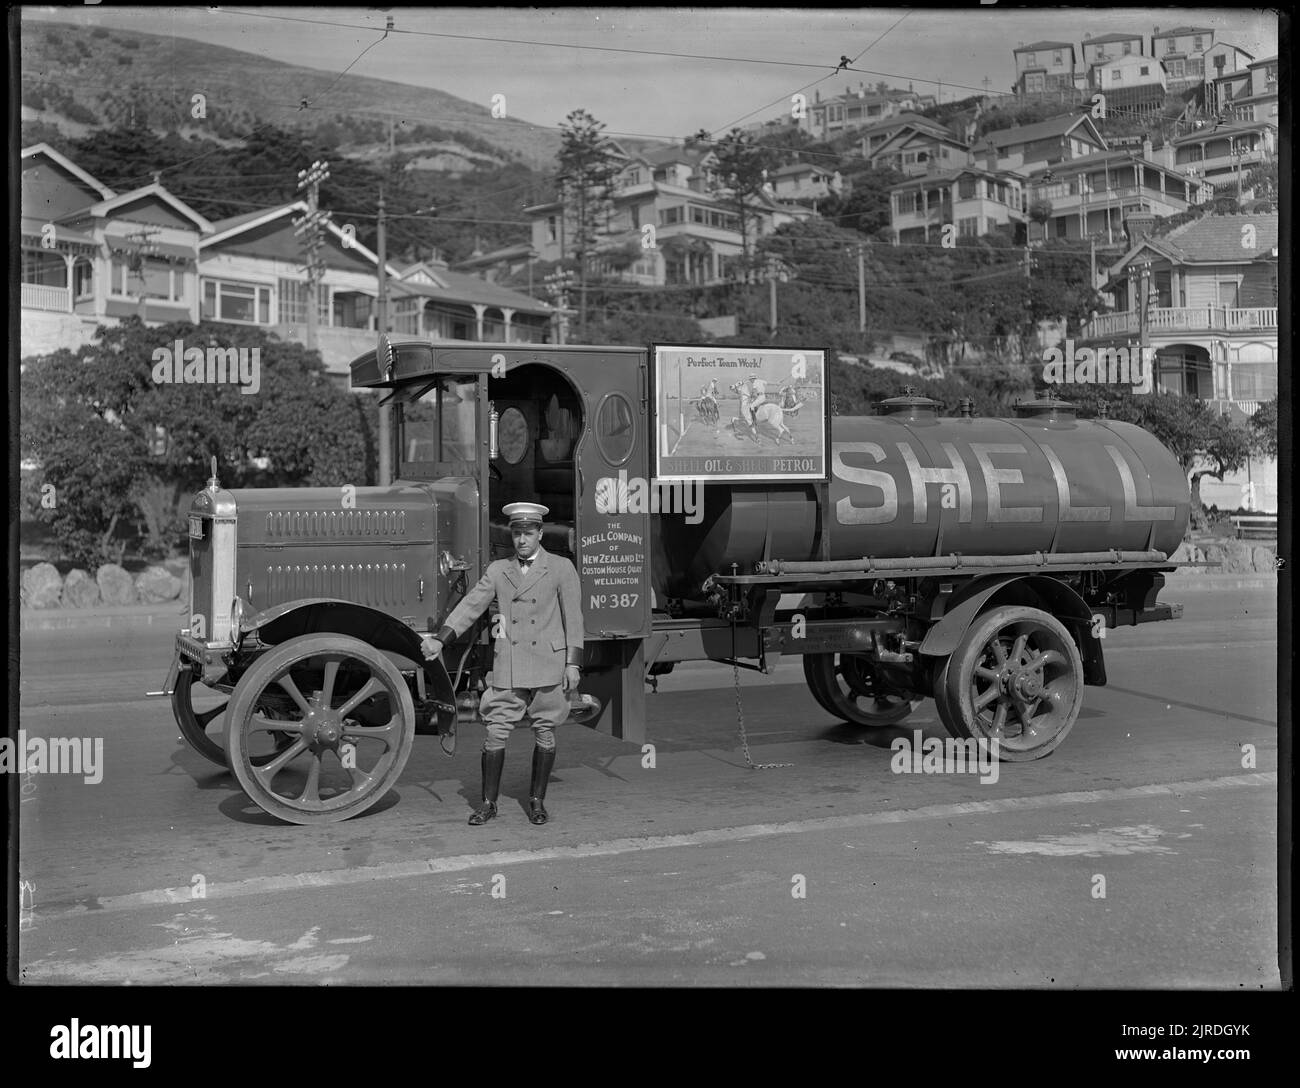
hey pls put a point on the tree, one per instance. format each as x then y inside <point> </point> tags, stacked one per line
<point>740,174</point>
<point>1263,425</point>
<point>114,443</point>
<point>866,208</point>
<point>587,169</point>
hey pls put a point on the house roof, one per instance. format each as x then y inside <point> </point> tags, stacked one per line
<point>1263,61</point>
<point>661,156</point>
<point>1183,30</point>
<point>34,226</point>
<point>901,119</point>
<point>106,207</point>
<point>1229,45</point>
<point>1233,128</point>
<point>464,288</point>
<point>1024,134</point>
<point>1106,39</point>
<point>1220,237</point>
<point>239,224</point>
<point>1042,45</point>
<point>71,167</point>
<point>505,253</point>
<point>941,176</point>
<point>1212,239</point>
<point>1083,163</point>
<point>794,168</point>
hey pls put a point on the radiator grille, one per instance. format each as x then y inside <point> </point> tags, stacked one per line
<point>334,524</point>
<point>376,584</point>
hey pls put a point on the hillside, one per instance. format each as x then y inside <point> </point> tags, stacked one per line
<point>74,76</point>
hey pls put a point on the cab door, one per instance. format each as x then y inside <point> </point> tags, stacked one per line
<point>614,492</point>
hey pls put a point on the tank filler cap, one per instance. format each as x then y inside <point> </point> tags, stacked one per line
<point>1047,407</point>
<point>911,405</point>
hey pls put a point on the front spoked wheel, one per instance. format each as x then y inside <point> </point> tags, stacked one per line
<point>351,723</point>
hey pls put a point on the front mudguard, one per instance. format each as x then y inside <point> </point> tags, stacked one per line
<point>378,629</point>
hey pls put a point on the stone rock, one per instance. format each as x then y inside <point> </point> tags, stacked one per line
<point>80,590</point>
<point>1264,558</point>
<point>1236,557</point>
<point>116,586</point>
<point>42,586</point>
<point>1183,553</point>
<point>157,584</point>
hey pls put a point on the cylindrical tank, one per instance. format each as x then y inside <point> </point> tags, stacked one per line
<point>910,483</point>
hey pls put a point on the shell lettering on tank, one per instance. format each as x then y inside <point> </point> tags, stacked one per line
<point>1132,511</point>
<point>922,476</point>
<point>846,511</point>
<point>994,478</point>
<point>1069,512</point>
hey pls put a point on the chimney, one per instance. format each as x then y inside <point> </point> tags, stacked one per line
<point>1138,226</point>
<point>817,96</point>
<point>990,157</point>
<point>1147,151</point>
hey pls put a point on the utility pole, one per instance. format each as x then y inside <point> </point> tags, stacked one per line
<point>862,291</point>
<point>313,226</point>
<point>771,298</point>
<point>381,327</point>
<point>1029,307</point>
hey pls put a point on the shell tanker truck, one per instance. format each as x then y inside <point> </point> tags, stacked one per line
<point>901,556</point>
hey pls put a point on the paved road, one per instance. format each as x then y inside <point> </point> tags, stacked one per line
<point>1141,853</point>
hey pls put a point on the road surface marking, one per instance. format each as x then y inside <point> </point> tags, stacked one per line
<point>399,870</point>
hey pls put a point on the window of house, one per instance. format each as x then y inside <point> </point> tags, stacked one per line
<point>669,216</point>
<point>906,203</point>
<point>83,280</point>
<point>1031,59</point>
<point>968,228</point>
<point>1145,70</point>
<point>1128,48</point>
<point>1114,75</point>
<point>698,214</point>
<point>635,213</point>
<point>1198,43</point>
<point>1035,82</point>
<point>1056,57</point>
<point>246,303</point>
<point>835,113</point>
<point>1176,68</point>
<point>1170,45</point>
<point>1196,66</point>
<point>151,279</point>
<point>1254,381</point>
<point>634,177</point>
<point>965,188</point>
<point>552,228</point>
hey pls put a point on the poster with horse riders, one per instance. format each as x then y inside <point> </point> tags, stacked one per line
<point>737,413</point>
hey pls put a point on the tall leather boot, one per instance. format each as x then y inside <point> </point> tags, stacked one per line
<point>493,762</point>
<point>543,761</point>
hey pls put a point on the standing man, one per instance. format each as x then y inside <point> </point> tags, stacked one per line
<point>537,652</point>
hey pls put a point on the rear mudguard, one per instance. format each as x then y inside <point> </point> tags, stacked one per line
<point>985,593</point>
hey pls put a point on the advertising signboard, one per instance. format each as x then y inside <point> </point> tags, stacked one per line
<point>735,413</point>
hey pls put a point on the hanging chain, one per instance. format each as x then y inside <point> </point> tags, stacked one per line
<point>740,721</point>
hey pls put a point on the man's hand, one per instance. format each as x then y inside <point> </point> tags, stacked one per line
<point>431,646</point>
<point>572,677</point>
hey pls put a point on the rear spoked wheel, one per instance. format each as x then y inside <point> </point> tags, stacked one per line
<point>850,687</point>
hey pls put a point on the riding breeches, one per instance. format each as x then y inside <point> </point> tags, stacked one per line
<point>503,708</point>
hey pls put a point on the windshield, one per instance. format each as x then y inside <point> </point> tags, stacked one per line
<point>440,424</point>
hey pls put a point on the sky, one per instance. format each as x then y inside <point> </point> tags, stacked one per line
<point>950,52</point>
